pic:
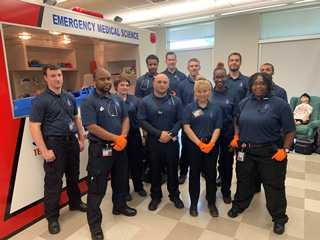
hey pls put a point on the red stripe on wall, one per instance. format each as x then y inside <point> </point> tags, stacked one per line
<point>15,11</point>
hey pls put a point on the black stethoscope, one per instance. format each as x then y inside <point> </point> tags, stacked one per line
<point>109,111</point>
<point>143,80</point>
<point>159,111</point>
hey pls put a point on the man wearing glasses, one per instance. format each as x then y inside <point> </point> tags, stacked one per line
<point>105,116</point>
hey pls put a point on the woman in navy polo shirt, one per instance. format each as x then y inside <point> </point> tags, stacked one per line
<point>202,122</point>
<point>262,148</point>
<point>134,145</point>
<point>229,104</point>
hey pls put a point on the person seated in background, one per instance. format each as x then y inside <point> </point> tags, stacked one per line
<point>303,111</point>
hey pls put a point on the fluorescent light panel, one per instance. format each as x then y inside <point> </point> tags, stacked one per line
<point>253,9</point>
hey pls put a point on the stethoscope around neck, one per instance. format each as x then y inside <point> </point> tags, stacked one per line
<point>145,78</point>
<point>109,111</point>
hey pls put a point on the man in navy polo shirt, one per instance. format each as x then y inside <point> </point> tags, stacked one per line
<point>160,115</point>
<point>185,93</point>
<point>54,120</point>
<point>237,83</point>
<point>174,75</point>
<point>144,83</point>
<point>105,116</point>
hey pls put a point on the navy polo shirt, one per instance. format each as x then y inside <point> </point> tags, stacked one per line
<point>280,92</point>
<point>132,104</point>
<point>174,79</point>
<point>261,121</point>
<point>203,121</point>
<point>144,85</point>
<point>54,112</point>
<point>185,91</point>
<point>105,112</point>
<point>238,85</point>
<point>170,106</point>
<point>228,102</point>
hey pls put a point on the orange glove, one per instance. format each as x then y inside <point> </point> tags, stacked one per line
<point>202,145</point>
<point>173,93</point>
<point>120,143</point>
<point>280,155</point>
<point>234,142</point>
<point>208,147</point>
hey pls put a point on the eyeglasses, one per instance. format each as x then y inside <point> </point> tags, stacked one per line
<point>259,84</point>
<point>220,77</point>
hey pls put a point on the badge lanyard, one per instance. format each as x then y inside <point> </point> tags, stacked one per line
<point>72,126</point>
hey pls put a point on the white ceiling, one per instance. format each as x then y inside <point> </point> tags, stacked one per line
<point>142,13</point>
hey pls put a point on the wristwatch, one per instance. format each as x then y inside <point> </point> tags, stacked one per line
<point>287,150</point>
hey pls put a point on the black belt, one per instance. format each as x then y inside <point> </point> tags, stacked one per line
<point>205,139</point>
<point>103,143</point>
<point>60,138</point>
<point>254,145</point>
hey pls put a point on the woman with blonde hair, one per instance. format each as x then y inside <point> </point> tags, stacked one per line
<point>202,122</point>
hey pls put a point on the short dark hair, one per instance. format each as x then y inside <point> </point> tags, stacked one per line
<point>194,60</point>
<point>266,78</point>
<point>272,67</point>
<point>305,95</point>
<point>98,70</point>
<point>49,66</point>
<point>171,53</point>
<point>119,79</point>
<point>152,57</point>
<point>235,53</point>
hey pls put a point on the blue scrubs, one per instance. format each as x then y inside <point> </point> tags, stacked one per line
<point>174,79</point>
<point>162,114</point>
<point>203,122</point>
<point>107,113</point>
<point>280,92</point>
<point>229,104</point>
<point>238,85</point>
<point>144,85</point>
<point>260,123</point>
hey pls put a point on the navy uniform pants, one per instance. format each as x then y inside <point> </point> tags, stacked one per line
<point>226,158</point>
<point>135,157</point>
<point>98,169</point>
<point>183,163</point>
<point>67,162</point>
<point>160,155</point>
<point>206,163</point>
<point>272,173</point>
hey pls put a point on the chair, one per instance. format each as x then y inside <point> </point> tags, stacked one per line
<point>309,130</point>
<point>87,80</point>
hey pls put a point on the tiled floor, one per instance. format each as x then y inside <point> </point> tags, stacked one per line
<point>169,223</point>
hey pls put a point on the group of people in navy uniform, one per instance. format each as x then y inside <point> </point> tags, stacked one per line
<point>248,116</point>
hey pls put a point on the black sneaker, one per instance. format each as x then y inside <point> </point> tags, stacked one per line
<point>177,202</point>
<point>153,205</point>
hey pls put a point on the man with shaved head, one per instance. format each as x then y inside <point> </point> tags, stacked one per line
<point>160,115</point>
<point>105,116</point>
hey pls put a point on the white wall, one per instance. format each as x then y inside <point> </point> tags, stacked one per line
<point>296,65</point>
<point>238,34</point>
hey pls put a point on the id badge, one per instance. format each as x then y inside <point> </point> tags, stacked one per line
<point>197,113</point>
<point>106,152</point>
<point>72,126</point>
<point>241,156</point>
<point>175,138</point>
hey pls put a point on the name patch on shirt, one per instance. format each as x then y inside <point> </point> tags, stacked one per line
<point>197,113</point>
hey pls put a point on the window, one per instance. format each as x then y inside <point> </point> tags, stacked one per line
<point>190,36</point>
<point>290,23</point>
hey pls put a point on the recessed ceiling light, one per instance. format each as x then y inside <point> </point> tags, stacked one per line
<point>304,1</point>
<point>54,33</point>
<point>252,9</point>
<point>66,39</point>
<point>24,35</point>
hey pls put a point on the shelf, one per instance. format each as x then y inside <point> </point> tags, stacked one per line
<point>36,69</point>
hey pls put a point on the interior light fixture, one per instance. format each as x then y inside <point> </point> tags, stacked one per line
<point>304,1</point>
<point>253,9</point>
<point>54,33</point>
<point>66,39</point>
<point>24,35</point>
